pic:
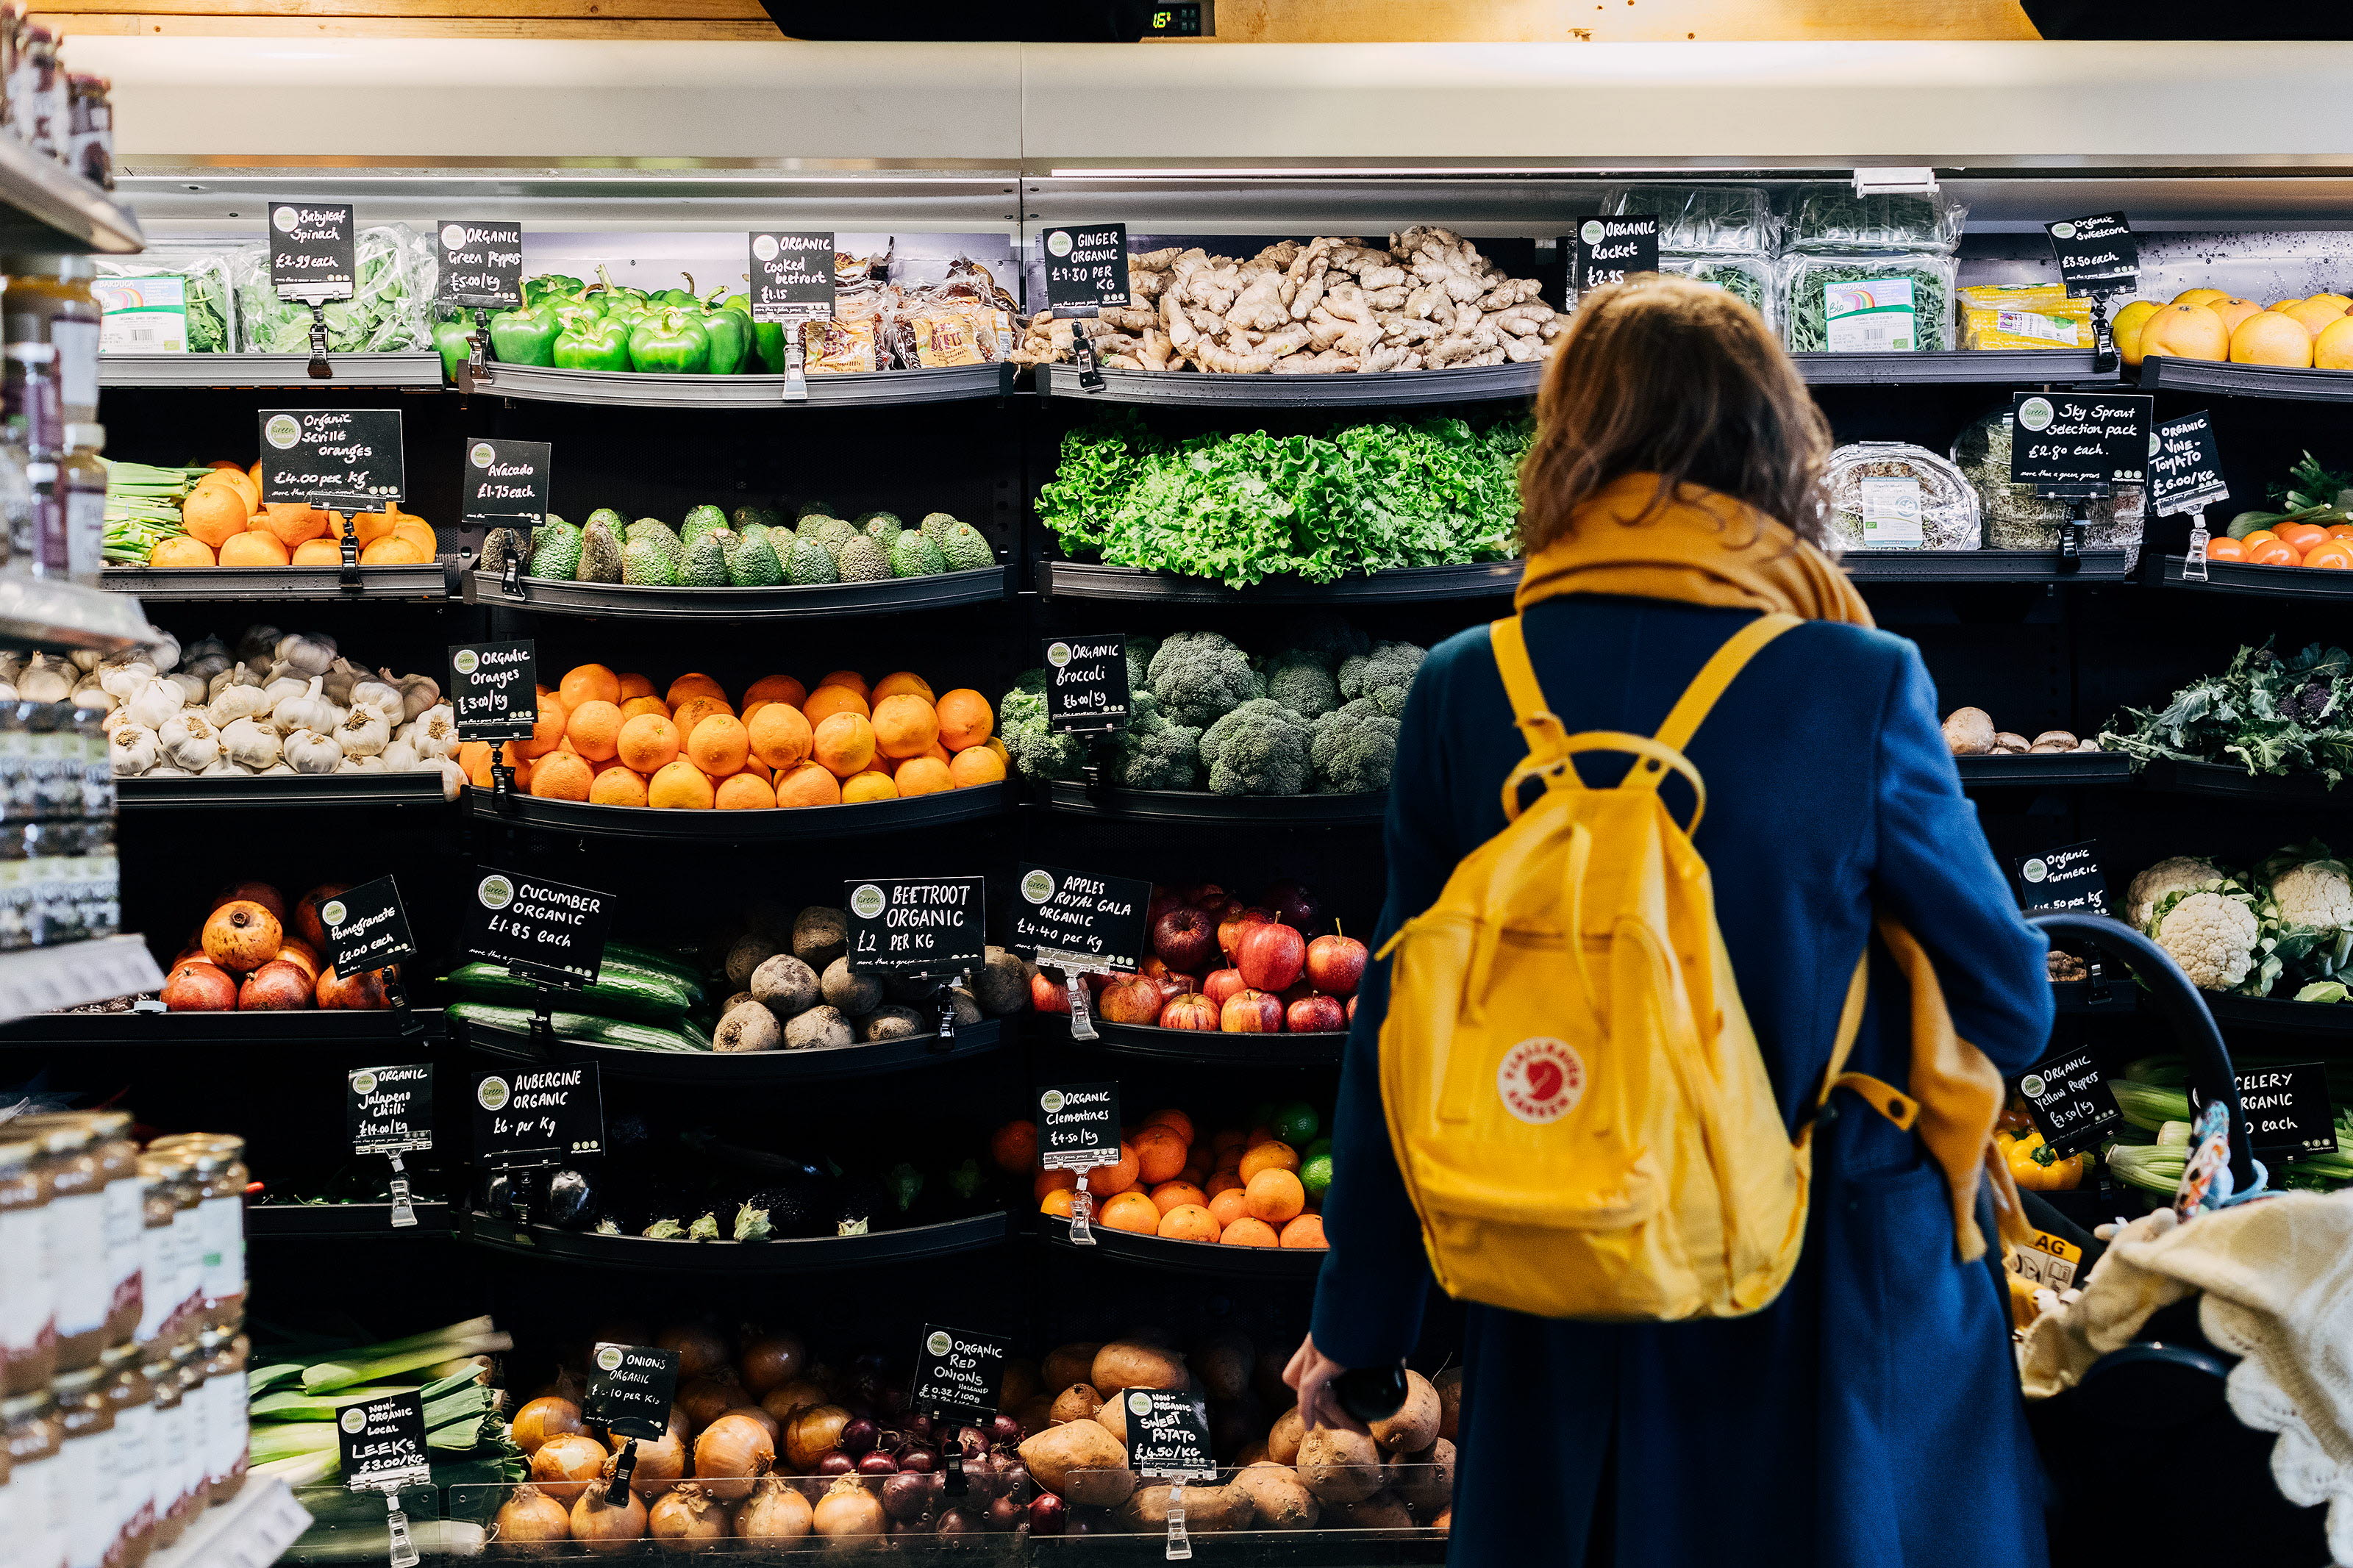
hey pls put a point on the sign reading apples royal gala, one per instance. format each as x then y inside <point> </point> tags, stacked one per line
<point>1079,922</point>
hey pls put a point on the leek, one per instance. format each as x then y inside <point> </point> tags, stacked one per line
<point>371,1363</point>
<point>289,1405</point>
<point>444,1342</point>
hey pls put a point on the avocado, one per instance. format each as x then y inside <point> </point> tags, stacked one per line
<point>862,561</point>
<point>935,526</point>
<point>610,519</point>
<point>699,521</point>
<point>646,564</point>
<point>819,508</point>
<point>763,516</point>
<point>835,534</point>
<point>504,544</point>
<point>754,563</point>
<point>965,549</point>
<point>555,551</point>
<point>810,527</point>
<point>867,520</point>
<point>880,527</point>
<point>600,554</point>
<point>705,566</point>
<point>646,525</point>
<point>812,562</point>
<point>912,555</point>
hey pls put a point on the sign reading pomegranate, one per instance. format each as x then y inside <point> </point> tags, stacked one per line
<point>1541,1079</point>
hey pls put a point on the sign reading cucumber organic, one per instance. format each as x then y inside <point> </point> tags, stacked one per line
<point>494,690</point>
<point>2079,441</point>
<point>313,250</point>
<point>537,927</point>
<point>505,481</point>
<point>366,928</point>
<point>1078,1126</point>
<point>792,275</point>
<point>1086,684</point>
<point>482,263</point>
<point>1605,249</point>
<point>389,1110</point>
<point>1086,269</point>
<point>921,925</point>
<point>2098,256</point>
<point>957,1373</point>
<point>538,1116</point>
<point>344,459</point>
<point>382,1442</point>
<point>1079,922</point>
<point>630,1388</point>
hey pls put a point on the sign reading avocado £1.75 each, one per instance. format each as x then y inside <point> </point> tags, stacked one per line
<point>538,928</point>
<point>506,483</point>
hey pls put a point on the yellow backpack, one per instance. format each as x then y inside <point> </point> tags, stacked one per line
<point>1575,1095</point>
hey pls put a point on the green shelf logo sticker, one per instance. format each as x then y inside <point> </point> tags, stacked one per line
<point>1038,886</point>
<point>496,892</point>
<point>491,1094</point>
<point>867,902</point>
<point>282,431</point>
<point>2035,414</point>
<point>939,1343</point>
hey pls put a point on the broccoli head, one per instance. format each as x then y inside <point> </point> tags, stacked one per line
<point>1259,748</point>
<point>1201,676</point>
<point>1021,723</point>
<point>1139,662</point>
<point>1300,683</point>
<point>1388,668</point>
<point>1155,753</point>
<point>1326,638</point>
<point>1351,749</point>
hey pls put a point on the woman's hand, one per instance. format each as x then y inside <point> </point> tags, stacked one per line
<point>1310,1373</point>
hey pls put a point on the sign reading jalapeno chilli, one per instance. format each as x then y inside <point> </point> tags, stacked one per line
<point>390,1109</point>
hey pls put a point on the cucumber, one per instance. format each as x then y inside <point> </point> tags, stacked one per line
<point>632,955</point>
<point>588,1027</point>
<point>621,991</point>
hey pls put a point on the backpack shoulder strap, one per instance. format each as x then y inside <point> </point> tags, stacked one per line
<point>1882,1096</point>
<point>1538,725</point>
<point>1722,665</point>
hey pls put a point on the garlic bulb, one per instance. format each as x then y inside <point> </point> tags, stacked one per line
<point>193,691</point>
<point>277,770</point>
<point>371,763</point>
<point>166,771</point>
<point>12,665</point>
<point>163,648</point>
<point>364,731</point>
<point>308,710</point>
<point>399,757</point>
<point>132,750</point>
<point>434,733</point>
<point>152,705</point>
<point>116,717</point>
<point>235,702</point>
<point>7,692</point>
<point>123,681</point>
<point>240,674</point>
<point>367,689</point>
<point>308,752</point>
<point>45,679</point>
<point>453,777</point>
<point>90,694</point>
<point>310,655</point>
<point>257,641</point>
<point>203,668</point>
<point>84,660</point>
<point>249,744</point>
<point>189,742</point>
<point>418,693</point>
<point>279,689</point>
<point>222,767</point>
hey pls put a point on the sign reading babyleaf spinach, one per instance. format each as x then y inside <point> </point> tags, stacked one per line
<point>536,927</point>
<point>792,275</point>
<point>1078,1126</point>
<point>1079,922</point>
<point>1086,684</point>
<point>1605,249</point>
<point>2185,472</point>
<point>366,928</point>
<point>630,1388</point>
<point>382,1442</point>
<point>2067,877</point>
<point>2098,256</point>
<point>482,263</point>
<point>389,1110</point>
<point>957,1372</point>
<point>920,925</point>
<point>2069,1100</point>
<point>505,481</point>
<point>538,1116</point>
<point>1086,269</point>
<point>2062,441</point>
<point>344,459</point>
<point>313,250</point>
<point>1168,1435</point>
<point>494,690</point>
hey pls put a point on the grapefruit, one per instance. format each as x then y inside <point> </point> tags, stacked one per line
<point>2126,328</point>
<point>2317,313</point>
<point>2270,337</point>
<point>2200,296</point>
<point>2333,348</point>
<point>2185,332</point>
<point>2234,312</point>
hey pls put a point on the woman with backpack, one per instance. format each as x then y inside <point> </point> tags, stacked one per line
<point>1713,1204</point>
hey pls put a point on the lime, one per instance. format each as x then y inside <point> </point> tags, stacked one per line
<point>1321,1146</point>
<point>1297,1124</point>
<point>1315,1175</point>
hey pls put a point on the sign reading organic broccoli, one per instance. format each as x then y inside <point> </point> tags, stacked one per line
<point>1086,684</point>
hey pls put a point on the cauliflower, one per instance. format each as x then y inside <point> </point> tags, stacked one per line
<point>1389,668</point>
<point>1021,723</point>
<point>2317,893</point>
<point>1353,749</point>
<point>1201,676</point>
<point>1301,684</point>
<point>2212,935</point>
<point>2179,874</point>
<point>1155,753</point>
<point>1259,748</point>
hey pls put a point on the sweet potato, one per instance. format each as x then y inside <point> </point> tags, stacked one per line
<point>1069,1363</point>
<point>1207,1507</point>
<point>1338,1465</point>
<point>1426,1479</point>
<point>1282,1437</point>
<point>1080,1460</point>
<point>1035,1415</point>
<point>1449,1384</point>
<point>1252,1454</point>
<point>1224,1362</point>
<point>1112,1413</point>
<point>1129,1364</point>
<point>1076,1403</point>
<point>1019,1384</point>
<point>1414,1425</point>
<point>1275,1492</point>
<point>1234,1423</point>
<point>1382,1510</point>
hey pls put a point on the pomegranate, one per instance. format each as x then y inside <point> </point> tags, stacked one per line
<point>362,993</point>
<point>1185,938</point>
<point>198,986</point>
<point>1221,984</point>
<point>1047,995</point>
<point>275,987</point>
<point>307,924</point>
<point>301,955</point>
<point>242,935</point>
<point>1191,1011</point>
<point>1335,964</point>
<point>1271,955</point>
<point>1136,999</point>
<point>262,893</point>
<point>1250,1012</point>
<point>1318,1015</point>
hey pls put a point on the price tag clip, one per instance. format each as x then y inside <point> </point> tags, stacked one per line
<point>320,369</point>
<point>1180,1545</point>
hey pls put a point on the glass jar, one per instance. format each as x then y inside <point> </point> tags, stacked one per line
<point>228,1432</point>
<point>48,300</point>
<point>220,1172</point>
<point>196,1437</point>
<point>77,1216</point>
<point>28,1316</point>
<point>167,1470</point>
<point>171,1256</point>
<point>89,146</point>
<point>32,1434</point>
<point>93,1491</point>
<point>132,1398</point>
<point>52,853</point>
<point>124,1194</point>
<point>83,479</point>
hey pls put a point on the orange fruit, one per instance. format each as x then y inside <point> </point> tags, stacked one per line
<point>632,707</point>
<point>2222,547</point>
<point>474,757</point>
<point>680,786</point>
<point>414,530</point>
<point>2232,311</point>
<point>2332,347</point>
<point>744,791</point>
<point>589,682</point>
<point>774,688</point>
<point>923,775</point>
<point>974,765</point>
<point>1272,1154</point>
<point>966,718</point>
<point>2185,332</point>
<point>1014,1146</point>
<point>247,485</point>
<point>899,682</point>
<point>213,513</point>
<point>547,730</point>
<point>1227,1207</point>
<point>593,728</point>
<point>560,775</point>
<point>1172,1117</point>
<point>2274,552</point>
<point>2340,531</point>
<point>828,700</point>
<point>1177,1194</point>
<point>1250,1232</point>
<point>1159,1154</point>
<point>718,745</point>
<point>2272,337</point>
<point>1306,1230</point>
<point>254,550</point>
<point>634,686</point>
<point>844,744</point>
<point>181,550</point>
<point>1258,1135</point>
<point>694,711</point>
<point>393,550</point>
<point>904,725</point>
<point>859,788</point>
<point>1223,1138</point>
<point>1274,1195</point>
<point>849,677</point>
<point>2336,556</point>
<point>2314,315</point>
<point>808,784</point>
<point>1105,1180</point>
<point>1057,1202</point>
<point>1131,1212</point>
<point>293,522</point>
<point>1187,1222</point>
<point>694,685</point>
<point>2301,536</point>
<point>1053,1182</point>
<point>779,734</point>
<point>318,553</point>
<point>616,786</point>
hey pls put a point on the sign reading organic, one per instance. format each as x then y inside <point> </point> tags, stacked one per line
<point>537,927</point>
<point>957,1373</point>
<point>923,925</point>
<point>2070,1101</point>
<point>1079,922</point>
<point>1168,1435</point>
<point>1606,249</point>
<point>537,1116</point>
<point>2286,1110</point>
<point>2067,877</point>
<point>792,275</point>
<point>482,263</point>
<point>1086,269</point>
<point>389,1110</point>
<point>344,459</point>
<point>1086,684</point>
<point>494,690</point>
<point>2098,256</point>
<point>630,1388</point>
<point>505,481</point>
<point>382,1442</point>
<point>2079,441</point>
<point>2185,471</point>
<point>1078,1126</point>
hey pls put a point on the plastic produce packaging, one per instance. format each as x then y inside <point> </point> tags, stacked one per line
<point>1891,495</point>
<point>385,311</point>
<point>1876,305</point>
<point>168,300</point>
<point>1831,220</point>
<point>1748,277</point>
<point>2028,316</point>
<point>2018,519</point>
<point>1716,219</point>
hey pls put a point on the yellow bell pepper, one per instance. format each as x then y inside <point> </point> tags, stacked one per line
<point>2034,1170</point>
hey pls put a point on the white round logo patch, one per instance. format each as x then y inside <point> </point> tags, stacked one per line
<point>1541,1080</point>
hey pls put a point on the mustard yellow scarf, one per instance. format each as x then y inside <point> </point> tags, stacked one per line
<point>1701,547</point>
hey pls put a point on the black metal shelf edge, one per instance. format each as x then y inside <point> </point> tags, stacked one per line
<point>306,1028</point>
<point>1299,1263</point>
<point>546,596</point>
<point>635,389</point>
<point>1373,389</point>
<point>2273,582</point>
<point>1955,365</point>
<point>1278,1050</point>
<point>414,372</point>
<point>2281,1016</point>
<point>1199,805</point>
<point>2050,769</point>
<point>1982,566</point>
<point>220,792</point>
<point>912,1054</point>
<point>740,827</point>
<point>1090,580</point>
<point>2226,779</point>
<point>810,1255</point>
<point>343,1222</point>
<point>2164,374</point>
<point>207,584</point>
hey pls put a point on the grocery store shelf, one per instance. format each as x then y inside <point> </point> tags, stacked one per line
<point>2232,781</point>
<point>46,207</point>
<point>2276,1015</point>
<point>2162,374</point>
<point>416,372</point>
<point>222,792</point>
<point>249,1530</point>
<point>1982,566</point>
<point>1376,389</point>
<point>809,1256</point>
<point>636,389</point>
<point>2272,581</point>
<point>2076,995</point>
<point>1278,1050</point>
<point>1232,810</point>
<point>44,979</point>
<point>308,1029</point>
<point>1980,366</point>
<point>720,1068</point>
<point>201,585</point>
<point>555,597</point>
<point>1407,584</point>
<point>343,1222</point>
<point>44,612</point>
<point>1300,1263</point>
<point>2046,770</point>
<point>742,827</point>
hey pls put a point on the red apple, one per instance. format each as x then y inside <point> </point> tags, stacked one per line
<point>1163,899</point>
<point>1184,938</point>
<point>277,986</point>
<point>1316,1015</point>
<point>1222,983</point>
<point>262,893</point>
<point>1270,955</point>
<point>1250,1012</point>
<point>198,986</point>
<point>1136,999</point>
<point>1294,905</point>
<point>1336,963</point>
<point>1205,895</point>
<point>1297,991</point>
<point>1191,1011</point>
<point>362,993</point>
<point>1101,981</point>
<point>1352,1009</point>
<point>1231,927</point>
<point>307,924</point>
<point>1047,995</point>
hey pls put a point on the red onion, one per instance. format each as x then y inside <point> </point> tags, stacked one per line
<point>1047,1514</point>
<point>919,1428</point>
<point>918,1459</point>
<point>858,1435</point>
<point>875,1462</point>
<point>956,1522</point>
<point>1004,1431</point>
<point>908,1496</point>
<point>973,1441</point>
<point>834,1462</point>
<point>1003,1513</point>
<point>893,1401</point>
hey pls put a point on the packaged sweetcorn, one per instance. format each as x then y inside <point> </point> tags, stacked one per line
<point>2025,316</point>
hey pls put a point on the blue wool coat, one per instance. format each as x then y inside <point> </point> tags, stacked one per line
<point>1870,1416</point>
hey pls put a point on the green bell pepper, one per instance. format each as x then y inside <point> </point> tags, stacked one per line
<point>594,345</point>
<point>455,338</point>
<point>730,332</point>
<point>672,344</point>
<point>768,350</point>
<point>547,284</point>
<point>571,311</point>
<point>526,336</point>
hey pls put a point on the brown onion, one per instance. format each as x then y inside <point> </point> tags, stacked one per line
<point>607,1525</point>
<point>753,1411</point>
<point>568,1462</point>
<point>777,1511</point>
<point>848,1508</point>
<point>542,1418</point>
<point>568,1385</point>
<point>781,1403</point>
<point>664,1459</point>
<point>809,1433</point>
<point>529,1518</point>
<point>706,1399</point>
<point>733,1452</point>
<point>702,1353</point>
<point>686,1512</point>
<point>771,1362</point>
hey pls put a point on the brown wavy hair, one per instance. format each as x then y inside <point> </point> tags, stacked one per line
<point>1659,375</point>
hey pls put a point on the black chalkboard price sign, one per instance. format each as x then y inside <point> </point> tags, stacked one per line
<point>630,1388</point>
<point>1079,922</point>
<point>1168,1435</point>
<point>2067,877</point>
<point>366,928</point>
<point>2185,472</point>
<point>917,925</point>
<point>345,460</point>
<point>389,1110</point>
<point>1606,249</point>
<point>1086,269</point>
<point>2098,256</point>
<point>792,275</point>
<point>2286,1110</point>
<point>505,482</point>
<point>1086,684</point>
<point>2070,1101</point>
<point>2079,443</point>
<point>957,1373</point>
<point>482,263</point>
<point>1078,1126</point>
<point>539,927</point>
<point>313,250</point>
<point>538,1116</point>
<point>494,690</point>
<point>382,1442</point>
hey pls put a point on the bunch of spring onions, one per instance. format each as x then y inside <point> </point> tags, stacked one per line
<point>293,1402</point>
<point>142,507</point>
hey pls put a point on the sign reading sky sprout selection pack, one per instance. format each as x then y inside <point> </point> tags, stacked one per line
<point>2062,441</point>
